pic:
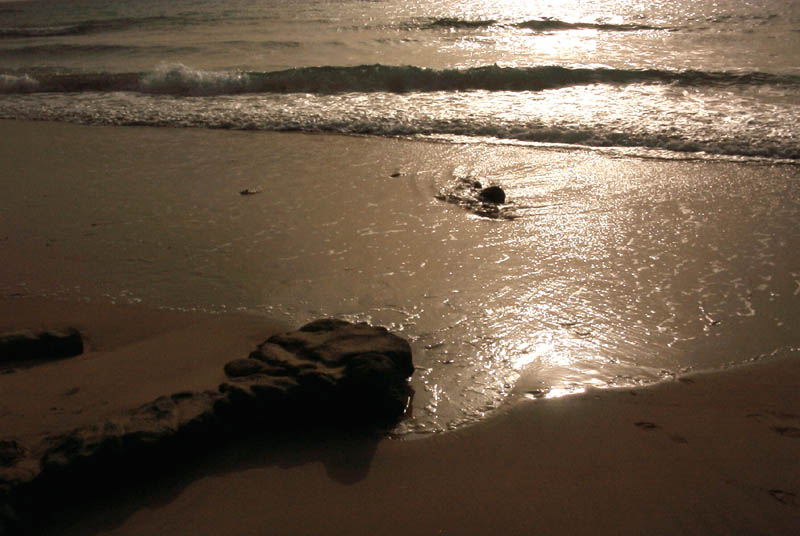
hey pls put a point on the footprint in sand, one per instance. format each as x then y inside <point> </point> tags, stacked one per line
<point>787,431</point>
<point>779,422</point>
<point>644,425</point>
<point>785,497</point>
<point>648,426</point>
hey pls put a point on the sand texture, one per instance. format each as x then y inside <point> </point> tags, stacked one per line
<point>328,372</point>
<point>600,269</point>
<point>703,454</point>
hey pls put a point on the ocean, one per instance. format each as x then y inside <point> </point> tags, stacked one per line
<point>650,152</point>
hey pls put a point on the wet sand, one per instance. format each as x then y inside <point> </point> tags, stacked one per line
<point>708,453</point>
<point>618,270</point>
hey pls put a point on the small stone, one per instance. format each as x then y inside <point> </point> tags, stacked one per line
<point>42,345</point>
<point>492,194</point>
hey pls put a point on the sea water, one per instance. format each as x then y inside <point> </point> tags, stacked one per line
<point>650,152</point>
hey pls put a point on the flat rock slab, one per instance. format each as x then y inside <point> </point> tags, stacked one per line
<point>328,372</point>
<point>29,345</point>
<point>350,373</point>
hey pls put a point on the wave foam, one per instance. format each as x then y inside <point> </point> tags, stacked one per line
<point>17,84</point>
<point>178,79</point>
<point>393,115</point>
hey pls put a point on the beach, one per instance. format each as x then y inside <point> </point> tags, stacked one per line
<point>706,453</point>
<point>140,239</point>
<point>612,271</point>
<point>399,266</point>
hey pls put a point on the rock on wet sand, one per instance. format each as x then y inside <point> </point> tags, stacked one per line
<point>329,373</point>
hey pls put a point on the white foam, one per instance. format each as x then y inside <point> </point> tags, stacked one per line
<point>177,78</point>
<point>17,84</point>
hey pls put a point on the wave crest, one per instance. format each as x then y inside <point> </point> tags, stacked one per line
<point>449,22</point>
<point>555,24</point>
<point>17,84</point>
<point>178,79</point>
<point>545,24</point>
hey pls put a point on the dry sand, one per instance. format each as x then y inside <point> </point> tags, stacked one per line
<point>713,453</point>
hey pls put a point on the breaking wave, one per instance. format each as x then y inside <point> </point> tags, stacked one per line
<point>181,80</point>
<point>17,84</point>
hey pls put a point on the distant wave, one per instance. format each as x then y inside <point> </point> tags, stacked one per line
<point>460,23</point>
<point>98,26</point>
<point>57,50</point>
<point>181,80</point>
<point>555,24</point>
<point>761,18</point>
<point>60,49</point>
<point>41,31</point>
<point>264,44</point>
<point>544,24</point>
<point>78,28</point>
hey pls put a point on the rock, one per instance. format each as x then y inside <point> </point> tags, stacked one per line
<point>10,452</point>
<point>371,385</point>
<point>471,195</point>
<point>243,367</point>
<point>351,373</point>
<point>249,191</point>
<point>25,345</point>
<point>492,194</point>
<point>327,372</point>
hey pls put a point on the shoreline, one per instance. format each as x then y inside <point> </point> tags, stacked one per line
<point>152,215</point>
<point>707,453</point>
<point>611,264</point>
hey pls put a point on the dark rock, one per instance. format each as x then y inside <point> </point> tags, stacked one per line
<point>11,451</point>
<point>249,191</point>
<point>492,194</point>
<point>243,367</point>
<point>9,521</point>
<point>323,324</point>
<point>327,372</point>
<point>484,202</point>
<point>332,364</point>
<point>372,384</point>
<point>27,345</point>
